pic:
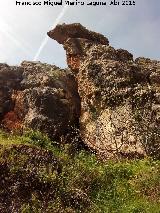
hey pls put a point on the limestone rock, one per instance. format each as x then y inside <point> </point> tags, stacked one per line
<point>76,40</point>
<point>38,96</point>
<point>10,78</point>
<point>62,32</point>
<point>119,96</point>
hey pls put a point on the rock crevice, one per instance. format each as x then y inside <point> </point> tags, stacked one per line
<point>120,108</point>
<point>38,96</point>
<point>114,98</point>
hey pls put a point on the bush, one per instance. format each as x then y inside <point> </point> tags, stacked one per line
<point>57,181</point>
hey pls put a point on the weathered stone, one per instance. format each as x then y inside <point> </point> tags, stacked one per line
<point>119,96</point>
<point>124,55</point>
<point>40,96</point>
<point>10,78</point>
<point>62,32</point>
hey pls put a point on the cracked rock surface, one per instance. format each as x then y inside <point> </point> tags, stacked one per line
<point>120,96</point>
<point>38,96</point>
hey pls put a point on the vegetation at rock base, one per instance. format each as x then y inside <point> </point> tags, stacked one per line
<point>112,99</point>
<point>38,175</point>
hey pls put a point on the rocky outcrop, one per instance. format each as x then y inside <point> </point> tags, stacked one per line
<point>9,80</point>
<point>62,32</point>
<point>120,97</point>
<point>76,39</point>
<point>115,98</point>
<point>38,96</point>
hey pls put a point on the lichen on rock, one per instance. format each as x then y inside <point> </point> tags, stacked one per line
<point>112,97</point>
<point>119,96</point>
<point>38,96</point>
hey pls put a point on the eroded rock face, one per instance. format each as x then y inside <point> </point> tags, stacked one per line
<point>120,97</point>
<point>62,32</point>
<point>38,96</point>
<point>76,39</point>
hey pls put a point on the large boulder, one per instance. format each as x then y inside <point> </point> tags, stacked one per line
<point>75,39</point>
<point>38,96</point>
<point>120,99</point>
<point>62,32</point>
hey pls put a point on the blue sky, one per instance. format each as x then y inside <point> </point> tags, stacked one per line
<point>23,29</point>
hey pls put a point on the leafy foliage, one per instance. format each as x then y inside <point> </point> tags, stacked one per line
<point>37,175</point>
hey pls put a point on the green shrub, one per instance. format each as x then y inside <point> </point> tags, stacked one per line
<point>82,184</point>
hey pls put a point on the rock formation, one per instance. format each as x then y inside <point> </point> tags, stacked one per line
<point>120,97</point>
<point>38,96</point>
<point>115,98</point>
<point>74,38</point>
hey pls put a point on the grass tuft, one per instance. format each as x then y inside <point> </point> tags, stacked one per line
<point>38,175</point>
